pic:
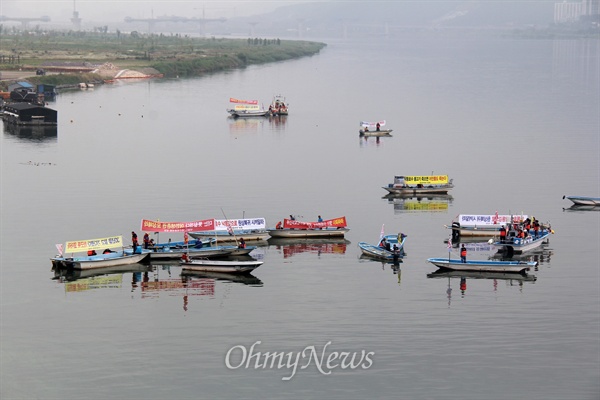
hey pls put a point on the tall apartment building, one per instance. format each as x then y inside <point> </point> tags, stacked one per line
<point>573,11</point>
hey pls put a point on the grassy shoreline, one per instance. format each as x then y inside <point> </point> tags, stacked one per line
<point>169,55</point>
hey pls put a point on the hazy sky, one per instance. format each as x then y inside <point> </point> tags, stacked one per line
<point>117,10</point>
<point>112,12</point>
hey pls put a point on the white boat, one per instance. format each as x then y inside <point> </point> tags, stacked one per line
<point>300,229</point>
<point>419,185</point>
<point>108,258</point>
<point>246,108</point>
<point>483,265</point>
<point>114,259</point>
<point>248,113</point>
<point>584,200</point>
<point>374,129</point>
<point>308,233</point>
<point>230,266</point>
<point>379,133</point>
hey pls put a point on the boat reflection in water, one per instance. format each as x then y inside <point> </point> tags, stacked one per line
<point>541,255</point>
<point>583,208</point>
<point>244,279</point>
<point>393,266</point>
<point>187,284</point>
<point>511,279</point>
<point>294,246</point>
<point>410,203</point>
<point>77,280</point>
<point>34,133</point>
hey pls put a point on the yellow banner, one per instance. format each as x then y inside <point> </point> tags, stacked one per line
<point>93,244</point>
<point>425,206</point>
<point>426,180</point>
<point>80,285</point>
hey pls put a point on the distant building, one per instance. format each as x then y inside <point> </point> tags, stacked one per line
<point>573,11</point>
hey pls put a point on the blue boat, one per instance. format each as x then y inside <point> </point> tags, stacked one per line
<point>381,253</point>
<point>483,265</point>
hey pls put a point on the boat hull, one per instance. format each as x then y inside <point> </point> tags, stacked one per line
<point>307,233</point>
<point>376,252</point>
<point>98,261</point>
<point>248,114</point>
<point>228,266</point>
<point>584,201</point>
<point>483,265</point>
<point>418,191</point>
<point>517,246</point>
<point>381,133</point>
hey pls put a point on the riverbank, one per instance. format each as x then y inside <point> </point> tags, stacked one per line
<point>72,57</point>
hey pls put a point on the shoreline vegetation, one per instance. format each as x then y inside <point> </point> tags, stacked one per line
<point>69,58</point>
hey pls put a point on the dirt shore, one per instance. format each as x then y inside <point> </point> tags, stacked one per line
<point>15,75</point>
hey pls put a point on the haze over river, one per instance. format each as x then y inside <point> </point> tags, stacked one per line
<point>514,122</point>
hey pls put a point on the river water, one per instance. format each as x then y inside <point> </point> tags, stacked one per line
<point>514,122</point>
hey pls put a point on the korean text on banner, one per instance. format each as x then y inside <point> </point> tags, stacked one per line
<point>158,226</point>
<point>93,244</point>
<point>330,223</point>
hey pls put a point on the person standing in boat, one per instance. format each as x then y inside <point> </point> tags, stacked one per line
<point>502,234</point>
<point>463,253</point>
<point>146,240</point>
<point>134,241</point>
<point>242,244</point>
<point>378,127</point>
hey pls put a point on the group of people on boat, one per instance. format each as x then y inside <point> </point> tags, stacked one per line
<point>278,108</point>
<point>529,229</point>
<point>377,128</point>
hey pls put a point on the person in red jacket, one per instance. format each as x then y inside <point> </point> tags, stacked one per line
<point>463,253</point>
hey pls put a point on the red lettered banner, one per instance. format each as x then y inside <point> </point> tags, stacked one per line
<point>232,100</point>
<point>158,226</point>
<point>330,223</point>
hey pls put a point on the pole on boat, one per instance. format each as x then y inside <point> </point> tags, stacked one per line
<point>229,227</point>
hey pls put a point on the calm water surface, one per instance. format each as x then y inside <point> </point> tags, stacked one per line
<point>515,123</point>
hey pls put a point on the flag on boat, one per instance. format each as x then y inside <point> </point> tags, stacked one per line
<point>382,234</point>
<point>372,124</point>
<point>450,243</point>
<point>59,247</point>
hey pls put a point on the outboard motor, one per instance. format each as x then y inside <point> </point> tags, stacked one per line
<point>455,232</point>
